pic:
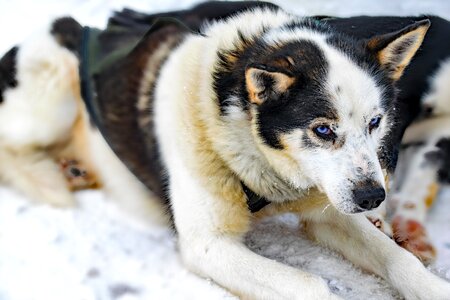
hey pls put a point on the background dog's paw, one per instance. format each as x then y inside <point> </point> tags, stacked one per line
<point>77,175</point>
<point>412,236</point>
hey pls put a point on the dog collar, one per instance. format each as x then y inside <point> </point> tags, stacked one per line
<point>254,202</point>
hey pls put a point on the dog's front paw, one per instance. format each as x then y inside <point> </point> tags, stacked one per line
<point>435,288</point>
<point>412,236</point>
<point>408,275</point>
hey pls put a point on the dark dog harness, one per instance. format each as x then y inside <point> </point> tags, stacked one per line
<point>87,56</point>
<point>92,62</point>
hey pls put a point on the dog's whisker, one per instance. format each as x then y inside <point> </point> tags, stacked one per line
<point>325,208</point>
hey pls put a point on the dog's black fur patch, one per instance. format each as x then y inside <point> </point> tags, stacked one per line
<point>304,101</point>
<point>8,71</point>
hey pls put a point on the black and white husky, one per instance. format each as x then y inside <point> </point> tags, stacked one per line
<point>260,113</point>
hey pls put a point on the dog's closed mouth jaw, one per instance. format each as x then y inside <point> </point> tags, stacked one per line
<point>357,210</point>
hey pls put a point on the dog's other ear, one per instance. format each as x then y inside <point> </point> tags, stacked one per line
<point>68,33</point>
<point>263,84</point>
<point>395,50</point>
<point>8,71</point>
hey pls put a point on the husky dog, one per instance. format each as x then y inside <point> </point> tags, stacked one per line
<point>416,98</point>
<point>265,112</point>
<point>422,91</point>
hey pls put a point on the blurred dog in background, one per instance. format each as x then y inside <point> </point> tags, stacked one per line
<point>48,145</point>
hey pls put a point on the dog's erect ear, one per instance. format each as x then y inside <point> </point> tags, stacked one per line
<point>395,50</point>
<point>263,84</point>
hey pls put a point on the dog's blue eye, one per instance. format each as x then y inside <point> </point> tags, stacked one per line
<point>374,123</point>
<point>323,130</point>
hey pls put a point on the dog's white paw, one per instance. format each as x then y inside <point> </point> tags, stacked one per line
<point>434,288</point>
<point>415,282</point>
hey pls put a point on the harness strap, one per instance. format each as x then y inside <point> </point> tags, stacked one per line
<point>88,93</point>
<point>254,202</point>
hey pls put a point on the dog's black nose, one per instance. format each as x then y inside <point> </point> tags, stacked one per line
<point>369,197</point>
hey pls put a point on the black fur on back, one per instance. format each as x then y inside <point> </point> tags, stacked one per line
<point>194,17</point>
<point>118,87</point>
<point>8,71</point>
<point>127,25</point>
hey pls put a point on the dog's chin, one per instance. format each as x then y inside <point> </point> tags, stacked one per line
<point>348,208</point>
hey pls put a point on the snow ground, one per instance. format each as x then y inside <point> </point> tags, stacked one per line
<point>97,252</point>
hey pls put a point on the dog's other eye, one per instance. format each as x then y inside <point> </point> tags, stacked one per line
<point>374,123</point>
<point>324,131</point>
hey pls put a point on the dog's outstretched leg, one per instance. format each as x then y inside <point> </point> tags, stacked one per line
<point>36,175</point>
<point>210,232</point>
<point>366,246</point>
